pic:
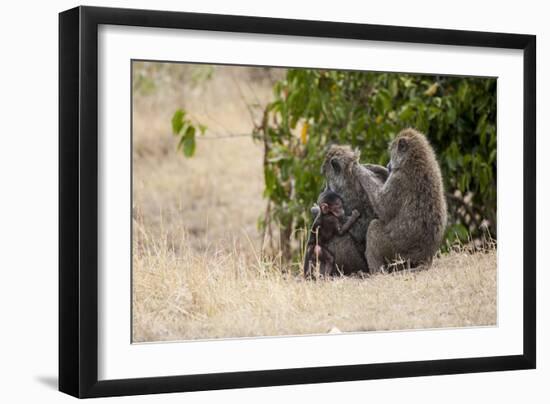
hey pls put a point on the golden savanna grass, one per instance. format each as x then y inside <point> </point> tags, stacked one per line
<point>198,270</point>
<point>218,293</point>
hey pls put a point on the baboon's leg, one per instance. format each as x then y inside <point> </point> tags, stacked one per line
<point>378,247</point>
<point>327,263</point>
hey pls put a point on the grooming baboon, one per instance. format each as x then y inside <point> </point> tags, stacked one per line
<point>339,169</point>
<point>330,221</point>
<point>410,207</point>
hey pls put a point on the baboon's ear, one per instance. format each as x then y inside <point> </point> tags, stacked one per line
<point>402,145</point>
<point>324,208</point>
<point>315,210</point>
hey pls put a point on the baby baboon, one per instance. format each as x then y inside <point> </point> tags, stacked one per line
<point>342,176</point>
<point>330,221</point>
<point>410,207</point>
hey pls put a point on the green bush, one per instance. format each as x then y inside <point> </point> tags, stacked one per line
<point>314,108</point>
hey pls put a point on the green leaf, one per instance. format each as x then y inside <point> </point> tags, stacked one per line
<point>451,115</point>
<point>202,128</point>
<point>394,88</point>
<point>177,121</point>
<point>190,131</point>
<point>458,231</point>
<point>406,112</point>
<point>189,146</point>
<point>462,91</point>
<point>382,101</point>
<point>451,162</point>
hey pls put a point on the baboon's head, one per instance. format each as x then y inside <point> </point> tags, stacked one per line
<point>330,203</point>
<point>338,167</point>
<point>409,147</point>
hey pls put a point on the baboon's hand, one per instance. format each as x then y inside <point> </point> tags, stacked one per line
<point>355,213</point>
<point>368,180</point>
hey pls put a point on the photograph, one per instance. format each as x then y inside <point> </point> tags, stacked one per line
<point>251,201</point>
<point>288,201</point>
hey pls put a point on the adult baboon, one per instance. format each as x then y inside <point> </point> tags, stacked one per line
<point>410,207</point>
<point>341,174</point>
<point>330,221</point>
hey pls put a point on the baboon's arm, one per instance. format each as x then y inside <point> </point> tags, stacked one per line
<point>387,201</point>
<point>380,171</point>
<point>381,196</point>
<point>350,220</point>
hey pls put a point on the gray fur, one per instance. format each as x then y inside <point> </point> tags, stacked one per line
<point>410,207</point>
<point>340,169</point>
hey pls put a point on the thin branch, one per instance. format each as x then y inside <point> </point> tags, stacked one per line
<point>243,98</point>
<point>258,102</point>
<point>223,136</point>
<point>213,119</point>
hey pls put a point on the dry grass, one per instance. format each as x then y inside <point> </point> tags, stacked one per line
<point>196,270</point>
<point>215,294</point>
<point>218,193</point>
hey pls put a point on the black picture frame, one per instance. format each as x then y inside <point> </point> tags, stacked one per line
<point>78,201</point>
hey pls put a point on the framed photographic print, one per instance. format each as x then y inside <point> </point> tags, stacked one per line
<point>251,201</point>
